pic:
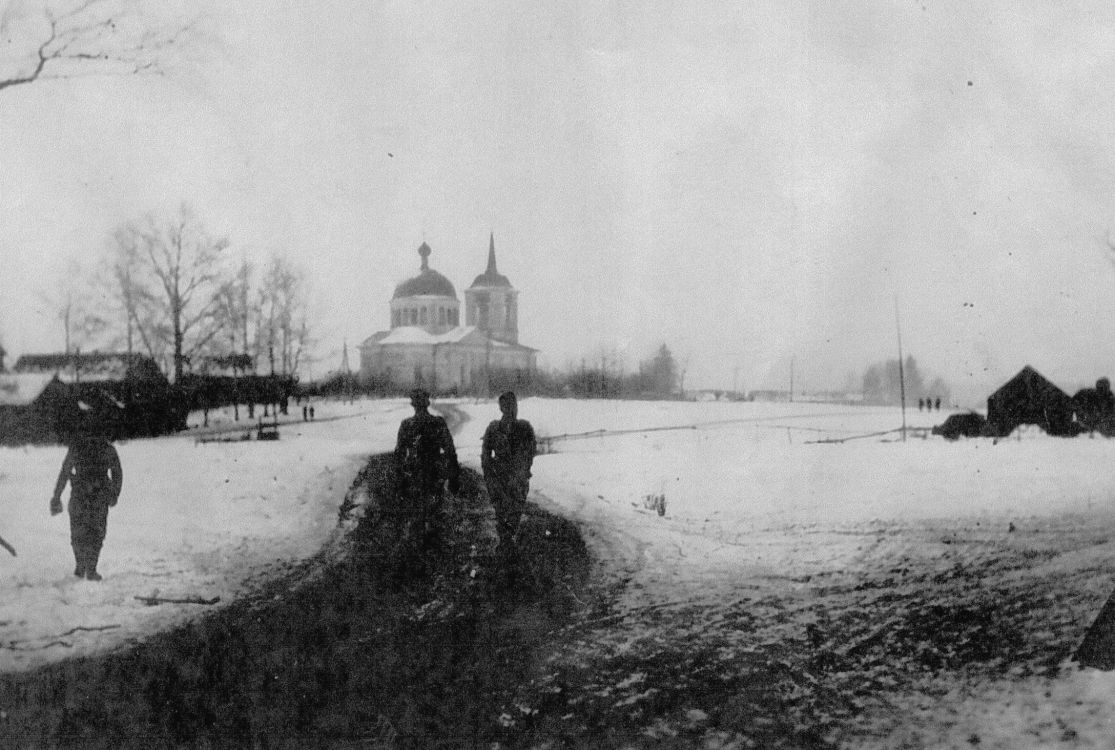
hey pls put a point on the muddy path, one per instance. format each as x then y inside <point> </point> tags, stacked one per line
<point>351,649</point>
<point>603,637</point>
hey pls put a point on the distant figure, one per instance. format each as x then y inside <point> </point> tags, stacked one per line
<point>938,403</point>
<point>311,412</point>
<point>506,457</point>
<point>921,404</point>
<point>425,458</point>
<point>92,467</point>
<point>305,414</point>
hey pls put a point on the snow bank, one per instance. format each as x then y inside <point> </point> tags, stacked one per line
<point>194,519</point>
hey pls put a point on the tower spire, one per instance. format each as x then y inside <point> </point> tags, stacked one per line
<point>424,252</point>
<point>491,253</point>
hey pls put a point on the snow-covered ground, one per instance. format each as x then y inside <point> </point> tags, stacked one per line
<point>194,519</point>
<point>753,491</point>
<point>738,470</point>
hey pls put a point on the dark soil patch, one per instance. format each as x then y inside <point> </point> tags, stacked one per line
<point>357,652</point>
<point>801,666</point>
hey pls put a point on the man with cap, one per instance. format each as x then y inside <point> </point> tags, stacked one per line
<point>92,468</point>
<point>506,455</point>
<point>425,458</point>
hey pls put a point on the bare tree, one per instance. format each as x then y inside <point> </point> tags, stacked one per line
<point>169,277</point>
<point>56,39</point>
<point>73,302</point>
<point>234,314</point>
<point>283,332</point>
<point>131,300</point>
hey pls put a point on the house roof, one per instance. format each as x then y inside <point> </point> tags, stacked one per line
<point>20,389</point>
<point>1030,385</point>
<point>88,366</point>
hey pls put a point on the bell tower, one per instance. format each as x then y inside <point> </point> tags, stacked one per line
<point>491,303</point>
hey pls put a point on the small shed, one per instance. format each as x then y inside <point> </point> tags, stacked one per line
<point>1029,398</point>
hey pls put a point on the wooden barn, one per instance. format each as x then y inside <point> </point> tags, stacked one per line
<point>1029,398</point>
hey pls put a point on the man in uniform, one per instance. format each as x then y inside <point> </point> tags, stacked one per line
<point>92,467</point>
<point>424,458</point>
<point>506,457</point>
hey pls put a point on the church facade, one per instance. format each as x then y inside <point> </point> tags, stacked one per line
<point>429,345</point>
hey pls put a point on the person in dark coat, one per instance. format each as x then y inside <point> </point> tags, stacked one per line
<point>425,458</point>
<point>506,456</point>
<point>92,468</point>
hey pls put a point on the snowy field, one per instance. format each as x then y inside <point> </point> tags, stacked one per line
<point>758,497</point>
<point>194,519</point>
<point>757,502</point>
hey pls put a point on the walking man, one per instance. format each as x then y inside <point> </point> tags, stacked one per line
<point>92,467</point>
<point>506,457</point>
<point>425,458</point>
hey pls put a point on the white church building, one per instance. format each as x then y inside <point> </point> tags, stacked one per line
<point>428,347</point>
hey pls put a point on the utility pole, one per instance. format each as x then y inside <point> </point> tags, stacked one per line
<point>901,373</point>
<point>791,380</point>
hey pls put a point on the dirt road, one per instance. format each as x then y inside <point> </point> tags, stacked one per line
<point>878,634</point>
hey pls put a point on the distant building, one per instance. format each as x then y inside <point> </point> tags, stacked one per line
<point>127,395</point>
<point>426,345</point>
<point>1028,398</point>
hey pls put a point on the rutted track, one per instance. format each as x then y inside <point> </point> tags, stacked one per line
<point>340,651</point>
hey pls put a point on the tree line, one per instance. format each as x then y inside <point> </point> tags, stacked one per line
<point>659,376</point>
<point>168,288</point>
<point>885,382</point>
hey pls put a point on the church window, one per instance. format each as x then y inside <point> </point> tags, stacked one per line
<point>422,317</point>
<point>413,317</point>
<point>482,310</point>
<point>395,318</point>
<point>441,316</point>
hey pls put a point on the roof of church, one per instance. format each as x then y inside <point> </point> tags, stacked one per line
<point>491,277</point>
<point>428,282</point>
<point>418,335</point>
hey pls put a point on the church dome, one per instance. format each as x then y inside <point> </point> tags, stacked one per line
<point>428,282</point>
<point>491,279</point>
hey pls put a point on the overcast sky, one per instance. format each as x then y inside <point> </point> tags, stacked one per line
<point>746,182</point>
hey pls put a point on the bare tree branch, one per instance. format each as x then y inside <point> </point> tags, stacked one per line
<point>168,276</point>
<point>60,39</point>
